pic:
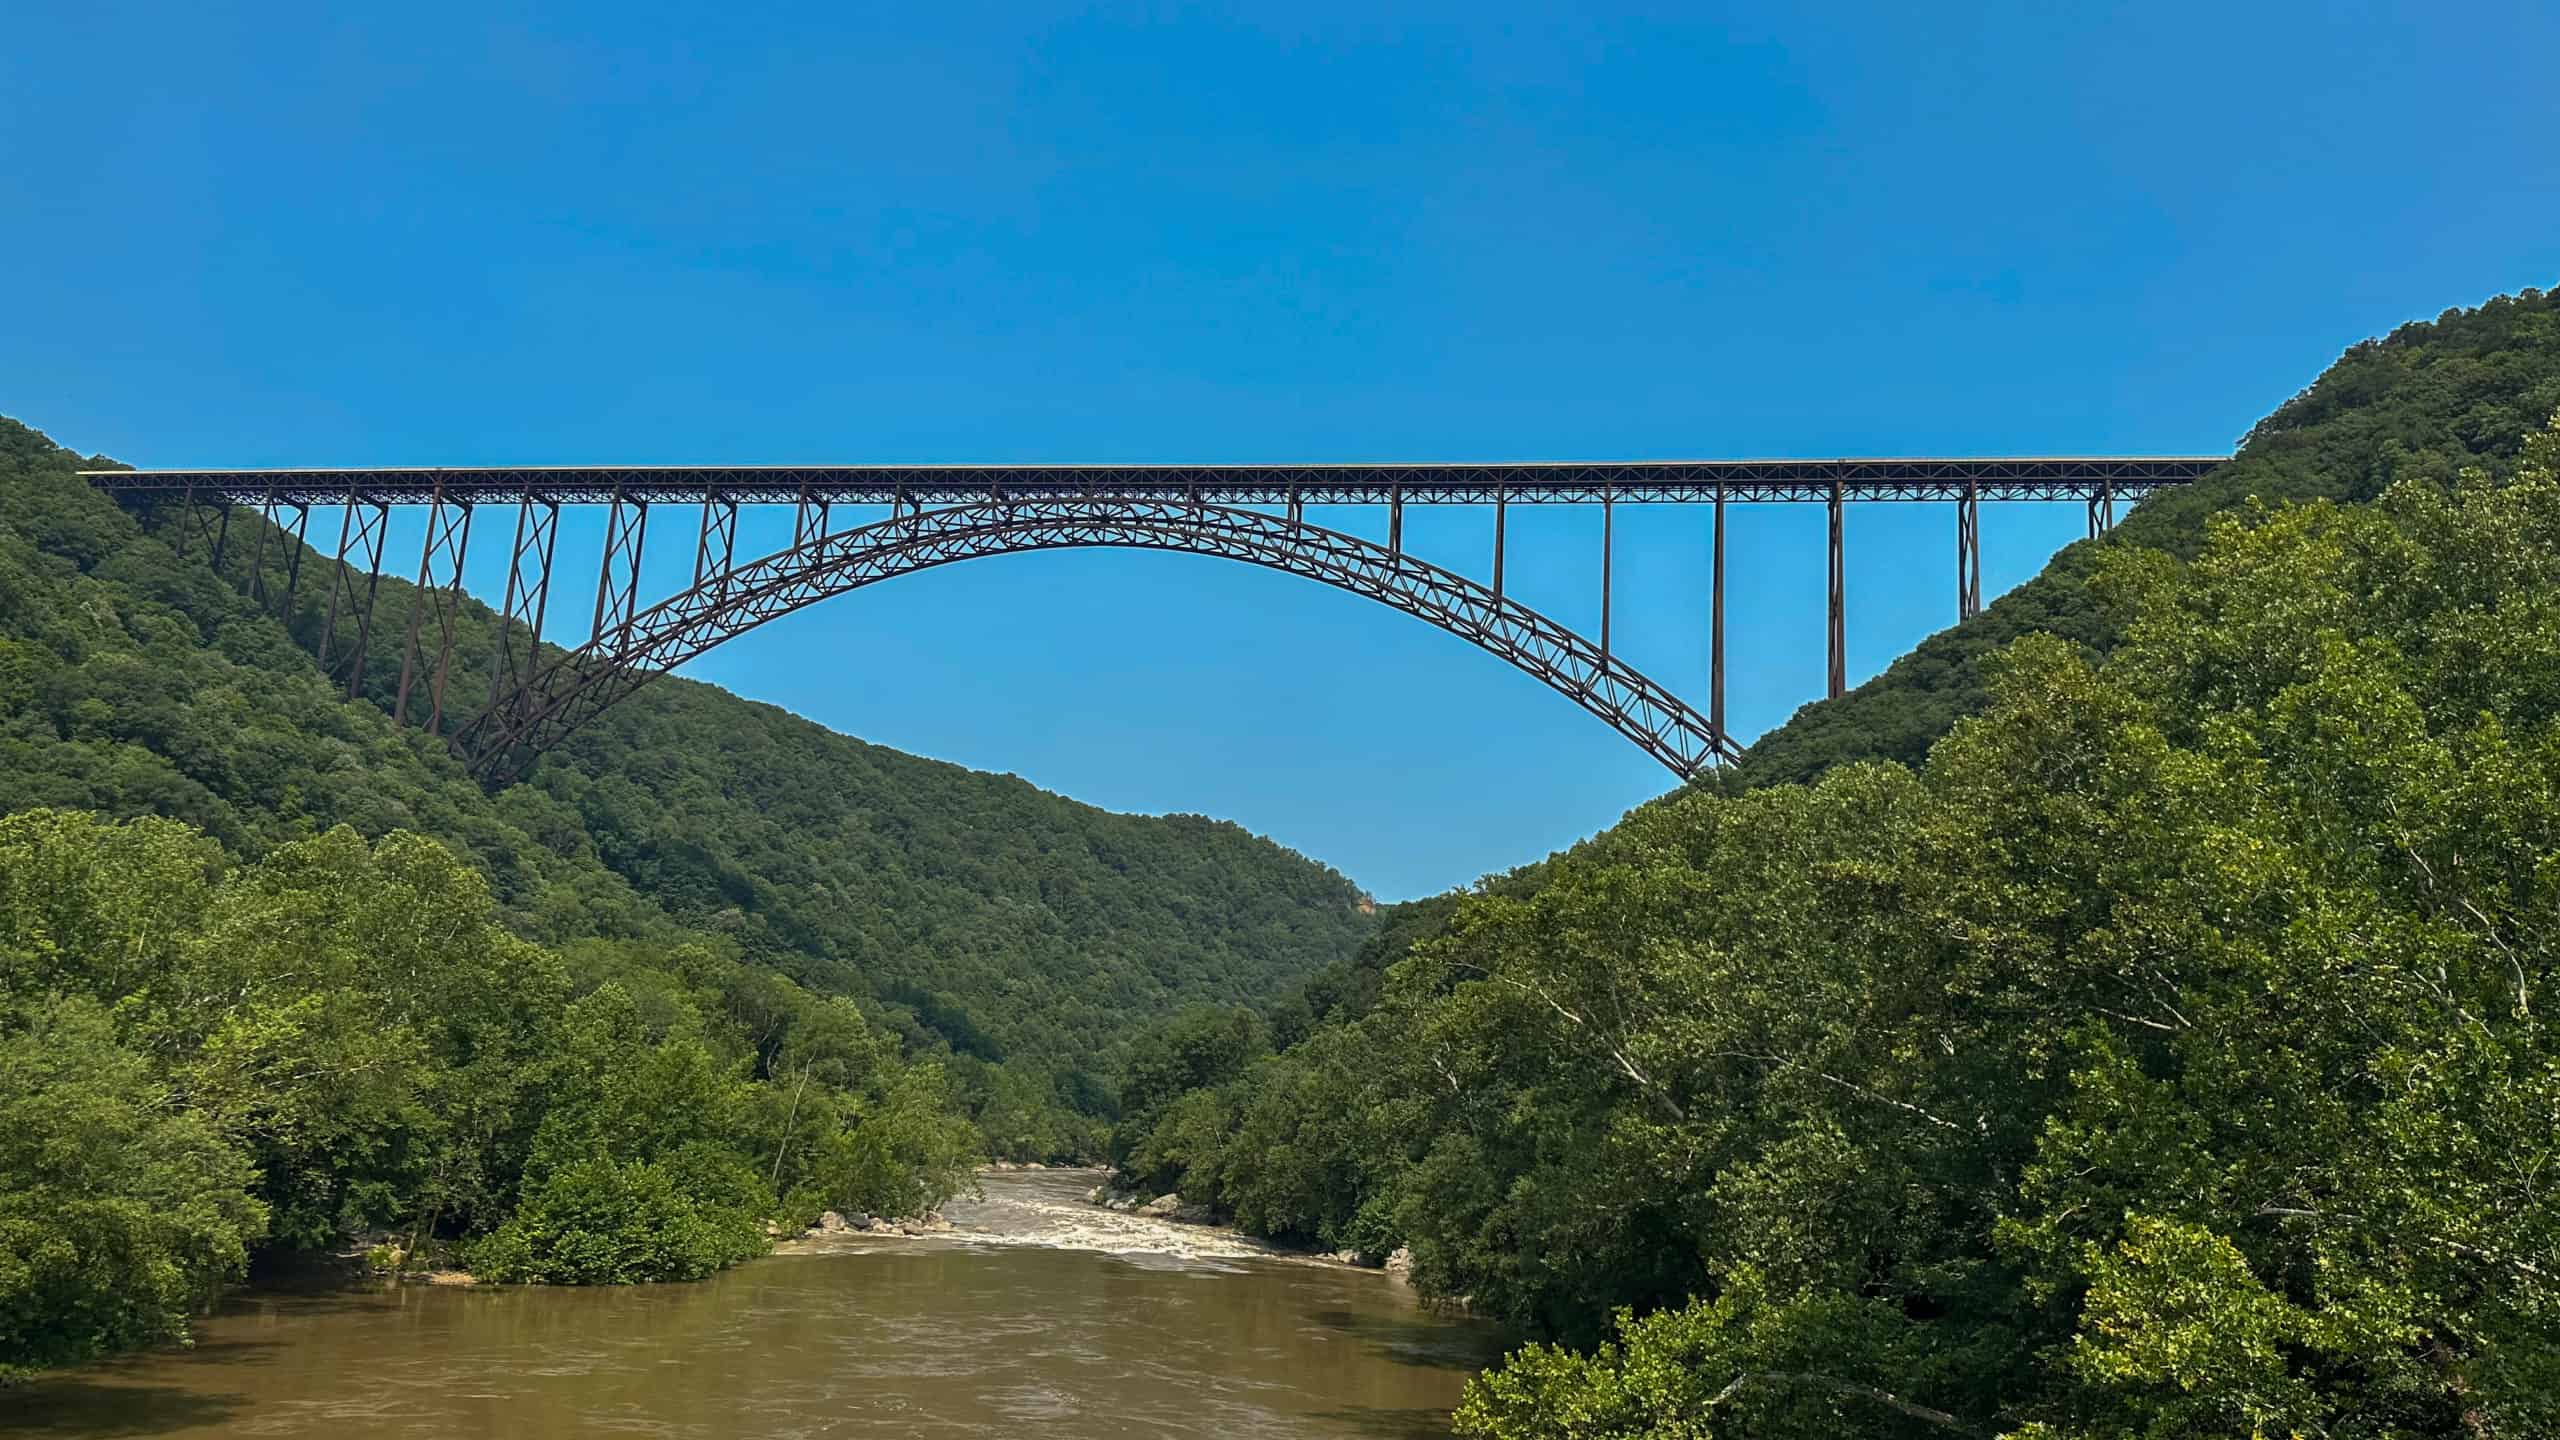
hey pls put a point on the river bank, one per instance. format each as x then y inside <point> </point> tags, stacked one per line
<point>1034,1313</point>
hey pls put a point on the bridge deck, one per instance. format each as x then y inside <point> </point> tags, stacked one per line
<point>1567,482</point>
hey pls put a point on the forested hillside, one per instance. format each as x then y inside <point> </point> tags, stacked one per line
<point>2158,1051</point>
<point>1021,933</point>
<point>2422,403</point>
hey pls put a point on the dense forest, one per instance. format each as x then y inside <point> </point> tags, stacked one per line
<point>1014,934</point>
<point>276,974</point>
<point>2123,1018</point>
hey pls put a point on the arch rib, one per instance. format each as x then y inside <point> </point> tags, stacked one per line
<point>575,687</point>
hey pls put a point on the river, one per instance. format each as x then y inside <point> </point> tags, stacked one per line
<point>1036,1316</point>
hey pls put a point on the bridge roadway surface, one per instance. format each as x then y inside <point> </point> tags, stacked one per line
<point>1566,482</point>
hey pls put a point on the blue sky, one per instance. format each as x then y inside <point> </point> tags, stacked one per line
<point>268,235</point>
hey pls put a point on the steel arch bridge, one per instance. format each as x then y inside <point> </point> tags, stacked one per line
<point>574,687</point>
<point>939,515</point>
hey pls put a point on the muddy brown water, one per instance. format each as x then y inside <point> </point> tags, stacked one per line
<point>1040,1316</point>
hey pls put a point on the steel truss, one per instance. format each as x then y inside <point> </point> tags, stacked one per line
<point>290,520</point>
<point>1968,557</point>
<point>528,596</point>
<point>1565,482</point>
<point>362,527</point>
<point>440,590</point>
<point>626,527</point>
<point>574,688</point>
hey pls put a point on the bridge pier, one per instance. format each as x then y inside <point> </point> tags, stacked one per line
<point>2102,511</point>
<point>1839,678</point>
<point>528,597</point>
<point>271,515</point>
<point>1608,546</point>
<point>626,526</point>
<point>364,525</point>
<point>808,519</point>
<point>439,589</point>
<point>1715,625</point>
<point>1501,501</point>
<point>1968,554</point>
<point>717,548</point>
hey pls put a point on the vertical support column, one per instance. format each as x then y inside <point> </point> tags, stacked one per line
<point>186,520</point>
<point>1297,510</point>
<point>1395,522</point>
<point>718,546</point>
<point>221,532</point>
<point>440,590</point>
<point>528,596</point>
<point>1608,548</point>
<point>1839,678</point>
<point>271,520</point>
<point>1969,552</point>
<point>267,522</point>
<point>1501,502</point>
<point>294,537</point>
<point>364,527</point>
<point>626,527</point>
<point>2102,509</point>
<point>195,519</point>
<point>1715,626</point>
<point>809,521</point>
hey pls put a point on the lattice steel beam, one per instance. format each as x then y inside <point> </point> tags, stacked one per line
<point>362,527</point>
<point>573,688</point>
<point>271,516</point>
<point>528,595</point>
<point>1560,482</point>
<point>717,549</point>
<point>206,520</point>
<point>808,520</point>
<point>626,529</point>
<point>440,590</point>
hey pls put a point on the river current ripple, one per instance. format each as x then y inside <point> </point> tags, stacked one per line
<point>1036,1315</point>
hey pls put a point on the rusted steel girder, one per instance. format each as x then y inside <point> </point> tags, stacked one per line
<point>574,688</point>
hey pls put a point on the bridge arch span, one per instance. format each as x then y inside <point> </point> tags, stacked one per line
<point>573,688</point>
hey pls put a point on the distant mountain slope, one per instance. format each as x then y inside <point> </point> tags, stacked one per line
<point>2432,397</point>
<point>975,910</point>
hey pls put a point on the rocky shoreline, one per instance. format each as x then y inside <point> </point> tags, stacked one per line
<point>1170,1206</point>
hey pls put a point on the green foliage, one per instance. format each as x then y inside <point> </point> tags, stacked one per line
<point>2165,1056</point>
<point>603,1222</point>
<point>2422,404</point>
<point>1197,1049</point>
<point>341,1041</point>
<point>985,920</point>
<point>579,1027</point>
<point>120,1215</point>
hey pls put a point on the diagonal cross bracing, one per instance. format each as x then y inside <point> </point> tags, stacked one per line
<point>362,527</point>
<point>528,596</point>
